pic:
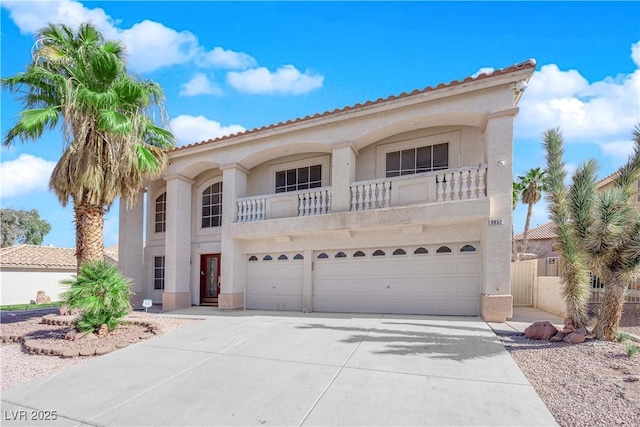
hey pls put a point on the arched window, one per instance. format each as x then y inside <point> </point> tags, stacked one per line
<point>283,257</point>
<point>468,248</point>
<point>253,258</point>
<point>323,256</point>
<point>379,252</point>
<point>399,252</point>
<point>161,213</point>
<point>340,255</point>
<point>267,258</point>
<point>298,256</point>
<point>358,254</point>
<point>421,251</point>
<point>212,206</point>
<point>443,250</point>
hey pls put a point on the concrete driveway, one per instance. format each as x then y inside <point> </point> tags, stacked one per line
<point>267,368</point>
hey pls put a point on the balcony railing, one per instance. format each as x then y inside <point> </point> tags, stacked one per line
<point>465,183</point>
<point>316,201</point>
<point>452,184</point>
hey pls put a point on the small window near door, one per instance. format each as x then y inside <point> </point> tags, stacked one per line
<point>443,250</point>
<point>299,179</point>
<point>399,252</point>
<point>358,254</point>
<point>323,256</point>
<point>417,160</point>
<point>267,258</point>
<point>341,255</point>
<point>158,272</point>
<point>212,206</point>
<point>298,256</point>
<point>379,252</point>
<point>468,248</point>
<point>161,213</point>
<point>253,258</point>
<point>282,257</point>
<point>421,251</point>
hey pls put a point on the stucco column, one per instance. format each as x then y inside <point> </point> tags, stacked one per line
<point>496,302</point>
<point>343,173</point>
<point>177,290</point>
<point>232,264</point>
<point>130,245</point>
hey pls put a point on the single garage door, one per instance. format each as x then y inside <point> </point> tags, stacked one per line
<point>274,281</point>
<point>440,279</point>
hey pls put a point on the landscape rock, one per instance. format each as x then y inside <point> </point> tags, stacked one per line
<point>87,351</point>
<point>71,335</point>
<point>104,350</point>
<point>568,326</point>
<point>540,331</point>
<point>558,337</point>
<point>103,331</point>
<point>64,309</point>
<point>70,352</point>
<point>42,298</point>
<point>575,338</point>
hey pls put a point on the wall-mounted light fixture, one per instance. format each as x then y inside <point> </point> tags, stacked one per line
<point>501,163</point>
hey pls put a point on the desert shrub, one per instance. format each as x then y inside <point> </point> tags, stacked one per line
<point>623,336</point>
<point>101,294</point>
<point>632,349</point>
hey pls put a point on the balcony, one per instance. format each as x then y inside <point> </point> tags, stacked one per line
<point>467,183</point>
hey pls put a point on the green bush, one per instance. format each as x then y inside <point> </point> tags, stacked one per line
<point>623,336</point>
<point>101,294</point>
<point>632,349</point>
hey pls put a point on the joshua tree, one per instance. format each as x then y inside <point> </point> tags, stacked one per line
<point>532,185</point>
<point>112,142</point>
<point>574,274</point>
<point>600,228</point>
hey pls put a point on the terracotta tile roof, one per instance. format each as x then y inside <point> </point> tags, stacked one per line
<point>541,232</point>
<point>37,256</point>
<point>530,63</point>
<point>42,256</point>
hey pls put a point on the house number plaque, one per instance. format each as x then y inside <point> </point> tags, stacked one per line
<point>496,222</point>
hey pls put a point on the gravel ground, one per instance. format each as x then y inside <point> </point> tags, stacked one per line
<point>18,367</point>
<point>590,384</point>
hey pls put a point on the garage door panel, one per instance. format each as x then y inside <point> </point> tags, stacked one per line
<point>409,284</point>
<point>274,302</point>
<point>274,285</point>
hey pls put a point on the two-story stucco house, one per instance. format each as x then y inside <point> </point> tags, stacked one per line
<point>400,205</point>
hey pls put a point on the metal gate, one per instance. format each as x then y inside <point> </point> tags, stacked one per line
<point>523,277</point>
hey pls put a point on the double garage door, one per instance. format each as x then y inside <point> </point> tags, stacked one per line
<point>441,279</point>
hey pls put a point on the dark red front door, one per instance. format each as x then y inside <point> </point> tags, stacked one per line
<point>209,279</point>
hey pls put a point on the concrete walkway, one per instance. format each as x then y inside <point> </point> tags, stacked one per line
<point>254,368</point>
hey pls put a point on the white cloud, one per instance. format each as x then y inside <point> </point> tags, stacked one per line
<point>190,129</point>
<point>221,58</point>
<point>199,85</point>
<point>483,70</point>
<point>635,53</point>
<point>26,174</point>
<point>620,150</point>
<point>602,112</point>
<point>286,79</point>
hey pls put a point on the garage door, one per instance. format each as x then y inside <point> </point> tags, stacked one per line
<point>441,279</point>
<point>274,281</point>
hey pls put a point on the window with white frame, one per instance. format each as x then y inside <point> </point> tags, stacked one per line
<point>158,272</point>
<point>161,213</point>
<point>416,160</point>
<point>212,206</point>
<point>299,178</point>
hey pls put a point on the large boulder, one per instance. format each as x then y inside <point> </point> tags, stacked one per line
<point>42,298</point>
<point>540,331</point>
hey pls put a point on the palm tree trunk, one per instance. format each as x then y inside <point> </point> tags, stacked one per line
<point>89,232</point>
<point>525,239</point>
<point>611,310</point>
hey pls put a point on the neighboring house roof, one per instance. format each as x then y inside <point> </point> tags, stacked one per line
<point>111,252</point>
<point>43,256</point>
<point>541,232</point>
<point>607,179</point>
<point>37,256</point>
<point>530,63</point>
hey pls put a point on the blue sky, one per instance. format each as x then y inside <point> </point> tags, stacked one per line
<point>229,66</point>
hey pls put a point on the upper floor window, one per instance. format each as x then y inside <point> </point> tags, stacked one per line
<point>299,179</point>
<point>417,160</point>
<point>212,206</point>
<point>161,213</point>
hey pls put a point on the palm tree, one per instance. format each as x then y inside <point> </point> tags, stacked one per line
<point>602,227</point>
<point>111,140</point>
<point>533,184</point>
<point>516,194</point>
